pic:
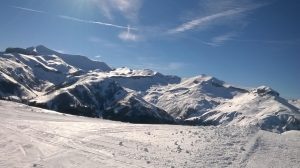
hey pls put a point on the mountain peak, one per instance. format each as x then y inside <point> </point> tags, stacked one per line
<point>20,51</point>
<point>78,61</point>
<point>204,79</point>
<point>265,90</point>
<point>41,49</point>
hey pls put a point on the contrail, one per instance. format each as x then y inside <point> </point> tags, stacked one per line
<point>93,22</point>
<point>28,9</point>
<point>76,19</point>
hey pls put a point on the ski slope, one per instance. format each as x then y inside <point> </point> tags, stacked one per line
<point>34,137</point>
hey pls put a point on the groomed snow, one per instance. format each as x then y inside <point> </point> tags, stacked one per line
<point>33,137</point>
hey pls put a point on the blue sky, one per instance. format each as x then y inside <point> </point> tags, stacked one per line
<point>243,42</point>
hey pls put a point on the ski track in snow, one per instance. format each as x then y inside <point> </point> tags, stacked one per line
<point>33,137</point>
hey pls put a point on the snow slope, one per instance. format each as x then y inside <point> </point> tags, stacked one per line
<point>39,68</point>
<point>36,72</point>
<point>78,61</point>
<point>141,80</point>
<point>12,90</point>
<point>191,97</point>
<point>98,96</point>
<point>295,102</point>
<point>205,100</point>
<point>34,137</point>
<point>261,107</point>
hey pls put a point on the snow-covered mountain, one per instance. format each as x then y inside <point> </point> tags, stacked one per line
<point>295,102</point>
<point>205,100</point>
<point>98,96</point>
<point>192,97</point>
<point>77,85</point>
<point>141,80</point>
<point>78,61</point>
<point>261,107</point>
<point>10,89</point>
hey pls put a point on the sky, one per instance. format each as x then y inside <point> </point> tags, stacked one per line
<point>246,43</point>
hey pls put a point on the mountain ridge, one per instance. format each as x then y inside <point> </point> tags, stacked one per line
<point>77,85</point>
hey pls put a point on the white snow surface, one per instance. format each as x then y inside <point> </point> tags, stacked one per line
<point>12,87</point>
<point>192,97</point>
<point>103,94</point>
<point>78,61</point>
<point>205,100</point>
<point>127,72</point>
<point>141,79</point>
<point>295,102</point>
<point>35,71</point>
<point>267,112</point>
<point>34,137</point>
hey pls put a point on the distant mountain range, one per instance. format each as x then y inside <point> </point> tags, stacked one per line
<point>74,84</point>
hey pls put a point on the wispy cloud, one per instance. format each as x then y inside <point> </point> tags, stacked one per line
<point>219,40</point>
<point>206,20</point>
<point>128,36</point>
<point>128,8</point>
<point>227,17</point>
<point>124,35</point>
<point>75,19</point>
